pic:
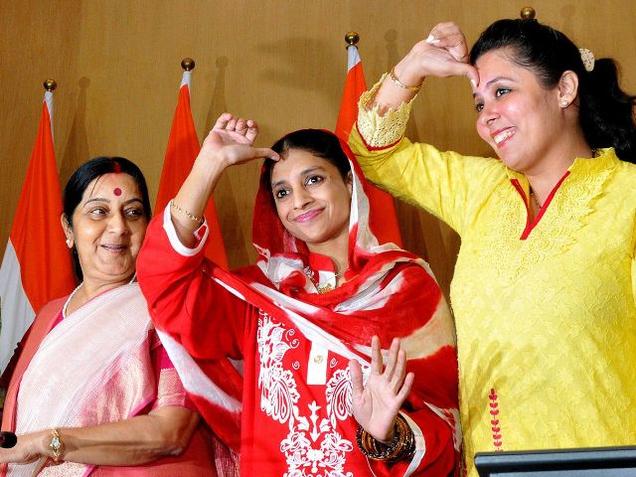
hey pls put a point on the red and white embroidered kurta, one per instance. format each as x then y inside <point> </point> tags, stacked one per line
<point>293,346</point>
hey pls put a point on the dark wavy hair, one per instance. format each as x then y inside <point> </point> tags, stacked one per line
<point>87,173</point>
<point>605,111</point>
<point>318,142</point>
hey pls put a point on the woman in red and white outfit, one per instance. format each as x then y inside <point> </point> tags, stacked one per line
<point>289,349</point>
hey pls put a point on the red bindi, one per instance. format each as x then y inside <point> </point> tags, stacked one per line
<point>117,191</point>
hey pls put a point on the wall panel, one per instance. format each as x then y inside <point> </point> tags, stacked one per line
<point>280,62</point>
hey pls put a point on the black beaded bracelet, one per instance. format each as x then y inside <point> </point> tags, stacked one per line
<point>402,444</point>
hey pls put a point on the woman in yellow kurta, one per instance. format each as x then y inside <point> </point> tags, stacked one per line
<point>544,288</point>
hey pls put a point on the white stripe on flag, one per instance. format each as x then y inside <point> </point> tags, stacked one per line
<point>353,57</point>
<point>186,79</point>
<point>48,99</point>
<point>16,313</point>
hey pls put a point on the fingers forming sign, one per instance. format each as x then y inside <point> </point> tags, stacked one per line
<point>232,140</point>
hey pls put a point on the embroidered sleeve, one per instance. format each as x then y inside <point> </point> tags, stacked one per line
<point>381,131</point>
<point>448,185</point>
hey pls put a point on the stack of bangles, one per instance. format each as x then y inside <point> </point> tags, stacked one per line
<point>402,445</point>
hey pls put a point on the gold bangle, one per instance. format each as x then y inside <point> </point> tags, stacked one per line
<point>397,81</point>
<point>191,216</point>
<point>56,445</point>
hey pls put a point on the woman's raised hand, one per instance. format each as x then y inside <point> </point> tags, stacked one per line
<point>231,141</point>
<point>377,404</point>
<point>444,53</point>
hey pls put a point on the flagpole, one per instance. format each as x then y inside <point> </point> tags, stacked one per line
<point>50,85</point>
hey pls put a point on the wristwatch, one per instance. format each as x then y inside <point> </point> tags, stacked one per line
<point>56,445</point>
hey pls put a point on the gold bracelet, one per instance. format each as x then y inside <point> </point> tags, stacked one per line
<point>56,445</point>
<point>397,81</point>
<point>191,216</point>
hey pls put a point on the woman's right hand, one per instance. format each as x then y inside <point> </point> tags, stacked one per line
<point>444,53</point>
<point>231,142</point>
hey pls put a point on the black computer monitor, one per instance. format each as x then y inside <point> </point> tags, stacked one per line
<point>596,462</point>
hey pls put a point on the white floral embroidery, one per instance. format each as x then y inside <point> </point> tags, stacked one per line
<point>313,447</point>
<point>278,388</point>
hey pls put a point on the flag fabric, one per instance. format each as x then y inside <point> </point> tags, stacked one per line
<point>36,266</point>
<point>383,220</point>
<point>183,148</point>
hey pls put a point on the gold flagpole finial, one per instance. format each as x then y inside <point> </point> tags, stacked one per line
<point>528,13</point>
<point>50,85</point>
<point>352,38</point>
<point>187,64</point>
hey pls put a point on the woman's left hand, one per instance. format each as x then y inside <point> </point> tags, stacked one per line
<point>376,405</point>
<point>28,448</point>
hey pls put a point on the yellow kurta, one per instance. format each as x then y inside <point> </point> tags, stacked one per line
<point>546,326</point>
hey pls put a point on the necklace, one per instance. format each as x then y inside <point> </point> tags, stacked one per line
<point>327,287</point>
<point>70,297</point>
<point>68,300</point>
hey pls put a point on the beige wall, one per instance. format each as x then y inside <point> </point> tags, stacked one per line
<point>280,62</point>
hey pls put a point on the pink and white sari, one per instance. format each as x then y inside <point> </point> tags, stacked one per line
<point>97,365</point>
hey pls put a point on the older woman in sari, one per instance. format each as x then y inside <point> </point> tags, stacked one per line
<point>94,392</point>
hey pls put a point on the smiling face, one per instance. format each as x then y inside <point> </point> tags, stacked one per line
<point>517,116</point>
<point>312,198</point>
<point>108,227</point>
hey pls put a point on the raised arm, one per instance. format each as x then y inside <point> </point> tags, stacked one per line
<point>444,53</point>
<point>183,299</point>
<point>229,142</point>
<point>447,184</point>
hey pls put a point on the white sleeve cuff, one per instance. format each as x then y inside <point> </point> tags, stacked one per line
<point>201,234</point>
<point>420,445</point>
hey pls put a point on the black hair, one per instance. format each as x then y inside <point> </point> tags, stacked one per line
<point>318,142</point>
<point>87,173</point>
<point>605,110</point>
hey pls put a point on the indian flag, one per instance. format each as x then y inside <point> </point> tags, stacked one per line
<point>36,266</point>
<point>383,219</point>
